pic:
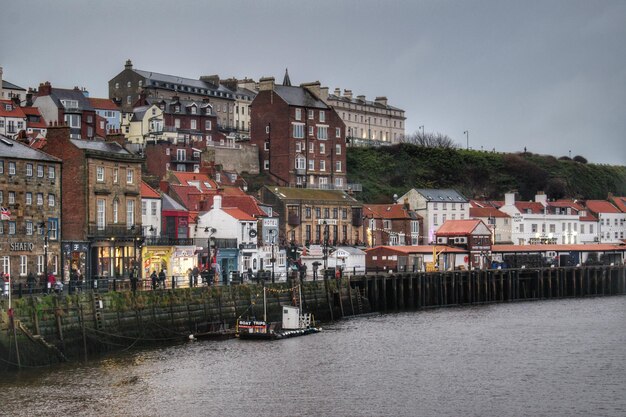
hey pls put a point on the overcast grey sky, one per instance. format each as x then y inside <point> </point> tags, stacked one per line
<point>547,75</point>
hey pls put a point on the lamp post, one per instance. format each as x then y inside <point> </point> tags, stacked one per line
<point>45,231</point>
<point>422,127</point>
<point>272,259</point>
<point>466,133</point>
<point>210,231</point>
<point>325,250</point>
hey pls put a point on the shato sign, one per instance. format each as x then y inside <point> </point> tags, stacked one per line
<point>22,246</point>
<point>331,222</point>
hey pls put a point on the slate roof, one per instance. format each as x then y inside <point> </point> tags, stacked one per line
<point>299,96</point>
<point>441,195</point>
<point>168,203</point>
<point>175,80</point>
<point>101,146</point>
<point>59,94</point>
<point>10,148</point>
<point>355,101</point>
<point>10,86</point>
<point>184,106</point>
<point>289,193</point>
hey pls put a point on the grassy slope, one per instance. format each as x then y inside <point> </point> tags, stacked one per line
<point>394,170</point>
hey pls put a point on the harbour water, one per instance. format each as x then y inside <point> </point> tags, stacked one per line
<point>547,358</point>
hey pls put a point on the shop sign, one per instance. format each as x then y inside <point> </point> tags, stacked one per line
<point>247,246</point>
<point>22,246</point>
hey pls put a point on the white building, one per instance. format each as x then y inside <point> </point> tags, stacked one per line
<point>545,222</point>
<point>150,211</point>
<point>436,206</point>
<point>611,226</point>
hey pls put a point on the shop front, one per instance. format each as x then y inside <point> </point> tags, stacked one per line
<point>174,260</point>
<point>113,258</point>
<point>75,259</point>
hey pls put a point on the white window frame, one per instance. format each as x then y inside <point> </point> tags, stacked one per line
<point>99,174</point>
<point>337,149</point>
<point>298,114</point>
<point>51,172</point>
<point>130,213</point>
<point>39,199</point>
<point>51,200</point>
<point>322,165</point>
<point>29,170</point>
<point>322,132</point>
<point>298,130</point>
<point>300,162</point>
<point>116,211</point>
<point>23,265</point>
<point>101,213</point>
<point>338,166</point>
<point>322,116</point>
<point>130,174</point>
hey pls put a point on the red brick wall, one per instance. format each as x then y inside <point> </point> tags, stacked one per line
<point>73,226</point>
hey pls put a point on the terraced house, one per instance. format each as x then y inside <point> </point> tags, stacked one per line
<point>30,196</point>
<point>101,201</point>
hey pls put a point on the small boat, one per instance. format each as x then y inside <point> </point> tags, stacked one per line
<point>295,323</point>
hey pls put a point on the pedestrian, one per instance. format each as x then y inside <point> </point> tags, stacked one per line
<point>51,281</point>
<point>162,278</point>
<point>196,273</point>
<point>134,277</point>
<point>5,284</point>
<point>190,276</point>
<point>30,282</point>
<point>153,278</point>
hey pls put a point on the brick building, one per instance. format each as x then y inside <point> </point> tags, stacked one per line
<point>131,85</point>
<point>101,225</point>
<point>300,138</point>
<point>391,224</point>
<point>30,195</point>
<point>308,217</point>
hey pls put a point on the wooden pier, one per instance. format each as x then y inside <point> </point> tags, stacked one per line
<point>409,291</point>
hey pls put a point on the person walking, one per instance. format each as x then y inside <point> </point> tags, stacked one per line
<point>153,278</point>
<point>195,272</point>
<point>30,282</point>
<point>162,278</point>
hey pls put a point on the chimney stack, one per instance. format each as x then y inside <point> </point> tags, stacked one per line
<point>347,94</point>
<point>211,79</point>
<point>45,89</point>
<point>129,65</point>
<point>314,88</point>
<point>266,83</point>
<point>217,202</point>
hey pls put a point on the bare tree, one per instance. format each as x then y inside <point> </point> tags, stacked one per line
<point>429,140</point>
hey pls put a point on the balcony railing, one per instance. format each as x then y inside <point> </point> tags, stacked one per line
<point>116,231</point>
<point>167,241</point>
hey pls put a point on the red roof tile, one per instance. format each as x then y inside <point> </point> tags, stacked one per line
<point>148,192</point>
<point>237,213</point>
<point>386,211</point>
<point>102,104</point>
<point>620,202</point>
<point>486,212</point>
<point>534,207</point>
<point>458,227</point>
<point>15,111</point>
<point>601,206</point>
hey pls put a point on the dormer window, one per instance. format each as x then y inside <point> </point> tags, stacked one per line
<point>70,104</point>
<point>8,107</point>
<point>193,110</point>
<point>177,109</point>
<point>208,110</point>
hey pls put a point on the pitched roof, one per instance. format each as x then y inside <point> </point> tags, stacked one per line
<point>388,211</point>
<point>103,104</point>
<point>184,178</point>
<point>34,112</point>
<point>602,247</point>
<point>168,203</point>
<point>418,249</point>
<point>237,213</point>
<point>59,94</point>
<point>176,80</point>
<point>442,195</point>
<point>101,146</point>
<point>486,212</point>
<point>290,193</point>
<point>246,203</point>
<point>534,207</point>
<point>14,149</point>
<point>10,86</point>
<point>620,202</point>
<point>357,101</point>
<point>458,227</point>
<point>148,192</point>
<point>299,96</point>
<point>601,206</point>
<point>13,110</point>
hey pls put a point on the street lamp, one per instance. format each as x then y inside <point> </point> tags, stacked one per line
<point>272,259</point>
<point>422,127</point>
<point>210,231</point>
<point>325,251</point>
<point>466,133</point>
<point>45,231</point>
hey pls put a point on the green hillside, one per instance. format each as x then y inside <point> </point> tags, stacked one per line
<point>395,169</point>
